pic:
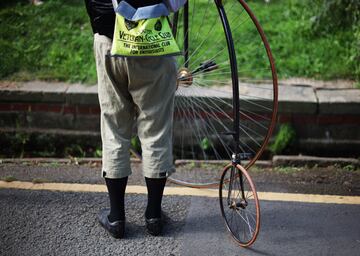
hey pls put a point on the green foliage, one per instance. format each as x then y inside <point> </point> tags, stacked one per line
<point>288,169</point>
<point>27,144</point>
<point>74,150</point>
<point>50,41</point>
<point>39,180</point>
<point>19,141</point>
<point>301,51</point>
<point>21,138</point>
<point>54,164</point>
<point>334,15</point>
<point>53,41</point>
<point>8,178</point>
<point>355,53</point>
<point>349,168</point>
<point>98,153</point>
<point>136,144</point>
<point>205,144</point>
<point>283,139</point>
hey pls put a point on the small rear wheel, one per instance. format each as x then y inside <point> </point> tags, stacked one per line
<point>239,205</point>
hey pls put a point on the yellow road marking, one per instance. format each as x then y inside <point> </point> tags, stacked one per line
<point>182,191</point>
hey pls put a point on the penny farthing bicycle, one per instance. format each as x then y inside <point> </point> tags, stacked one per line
<point>225,106</point>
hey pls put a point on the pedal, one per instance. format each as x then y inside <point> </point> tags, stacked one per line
<point>228,133</point>
<point>206,66</point>
<point>245,156</point>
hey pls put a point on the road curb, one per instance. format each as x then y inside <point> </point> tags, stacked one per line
<point>278,160</point>
<point>311,161</point>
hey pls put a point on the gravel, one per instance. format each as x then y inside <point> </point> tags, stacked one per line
<point>58,223</point>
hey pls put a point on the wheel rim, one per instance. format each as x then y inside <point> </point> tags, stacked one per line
<point>203,115</point>
<point>239,207</point>
<point>271,88</point>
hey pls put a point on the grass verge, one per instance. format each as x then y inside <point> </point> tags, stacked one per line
<point>53,41</point>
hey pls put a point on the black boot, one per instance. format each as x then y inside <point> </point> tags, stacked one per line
<point>116,228</point>
<point>113,219</point>
<point>153,218</point>
<point>116,189</point>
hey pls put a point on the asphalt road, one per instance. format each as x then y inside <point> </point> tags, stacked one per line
<point>286,229</point>
<point>64,223</point>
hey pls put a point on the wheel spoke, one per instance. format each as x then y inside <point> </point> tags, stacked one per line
<point>204,115</point>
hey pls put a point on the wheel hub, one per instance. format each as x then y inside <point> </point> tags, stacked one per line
<point>237,205</point>
<point>185,77</point>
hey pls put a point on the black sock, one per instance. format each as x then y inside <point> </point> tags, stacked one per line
<point>116,189</point>
<point>155,189</point>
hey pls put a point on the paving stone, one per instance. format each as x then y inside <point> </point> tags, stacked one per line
<point>328,147</point>
<point>292,98</point>
<point>312,160</point>
<point>82,94</point>
<point>341,101</point>
<point>297,99</point>
<point>35,91</point>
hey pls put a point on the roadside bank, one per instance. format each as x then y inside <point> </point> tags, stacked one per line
<point>59,119</point>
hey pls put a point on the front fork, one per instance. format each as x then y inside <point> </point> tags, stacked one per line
<point>235,173</point>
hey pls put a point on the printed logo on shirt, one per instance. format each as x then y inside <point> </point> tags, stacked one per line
<point>148,37</point>
<point>130,24</point>
<point>158,25</point>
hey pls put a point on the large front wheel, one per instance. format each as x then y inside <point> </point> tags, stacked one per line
<point>239,205</point>
<point>226,74</point>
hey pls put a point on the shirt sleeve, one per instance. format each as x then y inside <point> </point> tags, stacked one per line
<point>102,16</point>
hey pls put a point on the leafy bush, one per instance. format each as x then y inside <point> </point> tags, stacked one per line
<point>52,41</point>
<point>339,15</point>
<point>284,138</point>
<point>309,38</point>
<point>206,144</point>
<point>336,15</point>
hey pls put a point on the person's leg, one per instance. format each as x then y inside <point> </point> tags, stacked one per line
<point>113,219</point>
<point>155,188</point>
<point>152,85</point>
<point>117,119</point>
<point>116,189</point>
<point>153,92</point>
<point>117,115</point>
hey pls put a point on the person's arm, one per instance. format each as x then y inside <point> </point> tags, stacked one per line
<point>102,16</point>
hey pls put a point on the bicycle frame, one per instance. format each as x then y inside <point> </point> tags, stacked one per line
<point>236,159</point>
<point>235,82</point>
